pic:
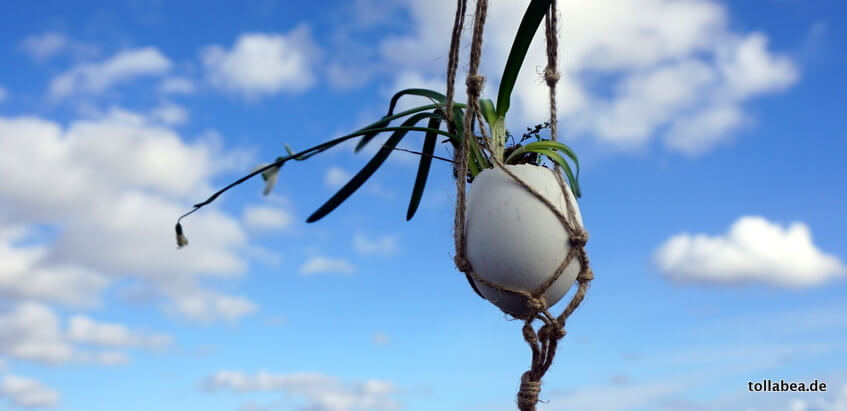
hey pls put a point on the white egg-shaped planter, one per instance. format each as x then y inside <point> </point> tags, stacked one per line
<point>515,240</point>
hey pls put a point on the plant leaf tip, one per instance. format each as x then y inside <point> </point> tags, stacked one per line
<point>181,239</point>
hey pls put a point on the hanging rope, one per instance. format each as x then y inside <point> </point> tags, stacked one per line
<point>544,342</point>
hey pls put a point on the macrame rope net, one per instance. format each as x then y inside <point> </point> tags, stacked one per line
<point>543,342</point>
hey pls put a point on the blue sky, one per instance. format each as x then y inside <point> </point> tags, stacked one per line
<point>712,137</point>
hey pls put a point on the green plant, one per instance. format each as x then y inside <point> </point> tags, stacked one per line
<point>436,118</point>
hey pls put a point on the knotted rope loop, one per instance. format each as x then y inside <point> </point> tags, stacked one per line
<point>528,393</point>
<point>551,76</point>
<point>529,333</point>
<point>462,264</point>
<point>579,238</point>
<point>585,276</point>
<point>536,304</point>
<point>554,331</point>
<point>475,83</point>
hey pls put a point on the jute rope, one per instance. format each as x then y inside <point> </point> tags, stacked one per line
<point>544,342</point>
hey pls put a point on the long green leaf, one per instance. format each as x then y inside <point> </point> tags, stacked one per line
<point>423,169</point>
<point>431,94</point>
<point>384,121</point>
<point>529,25</point>
<point>458,115</point>
<point>554,156</point>
<point>369,136</point>
<point>489,113</point>
<point>367,171</point>
<point>515,153</point>
<point>369,131</point>
<point>555,145</point>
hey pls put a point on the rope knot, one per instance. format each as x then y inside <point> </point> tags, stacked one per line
<point>462,264</point>
<point>536,304</point>
<point>528,394</point>
<point>552,331</point>
<point>579,238</point>
<point>585,275</point>
<point>475,83</point>
<point>551,76</point>
<point>529,334</point>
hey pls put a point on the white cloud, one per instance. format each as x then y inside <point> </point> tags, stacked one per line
<point>322,265</point>
<point>323,392</point>
<point>205,305</point>
<point>25,274</point>
<point>838,403</point>
<point>383,246</point>
<point>32,332</point>
<point>263,64</point>
<point>113,358</point>
<point>266,218</point>
<point>753,250</point>
<point>380,339</point>
<point>176,85</point>
<point>28,393</point>
<point>82,329</point>
<point>750,69</point>
<point>170,114</point>
<point>680,371</point>
<point>695,133</point>
<point>99,77</point>
<point>336,177</point>
<point>614,397</point>
<point>113,206</point>
<point>251,406</point>
<point>631,70</point>
<point>45,45</point>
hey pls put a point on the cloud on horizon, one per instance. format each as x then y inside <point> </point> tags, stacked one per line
<point>754,250</point>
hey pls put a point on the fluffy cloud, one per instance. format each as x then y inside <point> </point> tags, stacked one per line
<point>25,274</point>
<point>82,329</point>
<point>205,305</point>
<point>99,77</point>
<point>753,250</point>
<point>266,218</point>
<point>838,403</point>
<point>383,246</point>
<point>615,397</point>
<point>631,70</point>
<point>45,45</point>
<point>323,265</point>
<point>112,358</point>
<point>113,207</point>
<point>31,331</point>
<point>170,114</point>
<point>28,393</point>
<point>336,177</point>
<point>750,69</point>
<point>176,85</point>
<point>263,64</point>
<point>323,392</point>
